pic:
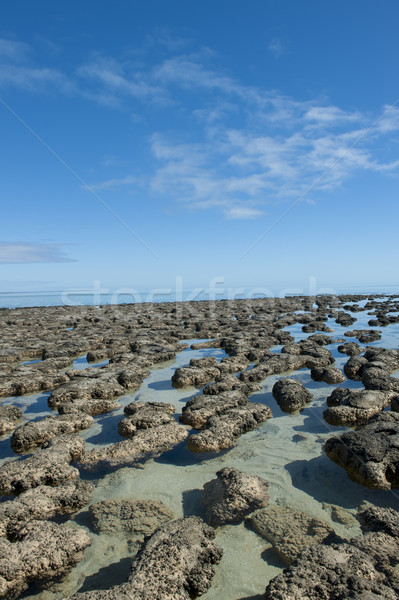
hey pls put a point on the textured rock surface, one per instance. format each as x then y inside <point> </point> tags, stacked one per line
<point>289,530</point>
<point>145,415</point>
<point>48,466</point>
<point>41,551</point>
<point>144,444</point>
<point>36,433</point>
<point>132,519</point>
<point>43,502</point>
<point>175,563</point>
<point>329,375</point>
<point>9,417</point>
<point>355,407</point>
<point>290,395</point>
<point>232,496</point>
<point>370,454</point>
<point>223,430</point>
<point>339,572</point>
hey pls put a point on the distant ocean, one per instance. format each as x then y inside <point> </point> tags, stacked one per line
<point>99,297</point>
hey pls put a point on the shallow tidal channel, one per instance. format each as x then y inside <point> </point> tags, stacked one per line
<point>287,451</point>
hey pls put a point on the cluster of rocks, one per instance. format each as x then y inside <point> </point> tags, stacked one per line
<point>355,407</point>
<point>31,547</point>
<point>363,567</point>
<point>150,428</point>
<point>222,419</point>
<point>177,560</point>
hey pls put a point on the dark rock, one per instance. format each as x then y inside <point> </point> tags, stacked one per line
<point>290,395</point>
<point>370,454</point>
<point>232,496</point>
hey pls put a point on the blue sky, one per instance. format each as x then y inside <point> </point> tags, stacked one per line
<point>254,142</point>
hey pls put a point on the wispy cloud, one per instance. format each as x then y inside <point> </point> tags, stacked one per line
<point>29,252</point>
<point>111,184</point>
<point>227,146</point>
<point>277,47</point>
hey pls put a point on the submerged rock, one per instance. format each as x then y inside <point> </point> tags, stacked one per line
<point>175,563</point>
<point>290,395</point>
<point>232,496</point>
<point>370,455</point>
<point>289,530</point>
<point>133,519</point>
<point>40,552</point>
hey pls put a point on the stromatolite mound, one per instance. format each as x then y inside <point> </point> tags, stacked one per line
<point>145,415</point>
<point>289,530</point>
<point>36,433</point>
<point>355,407</point>
<point>131,519</point>
<point>144,444</point>
<point>222,430</point>
<point>43,502</point>
<point>347,571</point>
<point>175,563</point>
<point>291,395</point>
<point>48,466</point>
<point>9,417</point>
<point>370,454</point>
<point>41,552</point>
<point>232,496</point>
<point>329,375</point>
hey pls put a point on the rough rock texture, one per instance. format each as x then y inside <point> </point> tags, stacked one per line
<point>36,433</point>
<point>43,502</point>
<point>228,383</point>
<point>9,417</point>
<point>289,530</point>
<point>194,376</point>
<point>144,444</point>
<point>175,563</point>
<point>290,395</point>
<point>355,407</point>
<point>223,430</point>
<point>90,407</point>
<point>133,519</point>
<point>200,409</point>
<point>370,454</point>
<point>340,572</point>
<point>232,496</point>
<point>350,348</point>
<point>145,415</point>
<point>329,375</point>
<point>48,466</point>
<point>41,551</point>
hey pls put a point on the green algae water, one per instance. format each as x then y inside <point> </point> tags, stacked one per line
<point>287,451</point>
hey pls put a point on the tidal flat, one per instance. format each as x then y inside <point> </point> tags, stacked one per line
<point>230,449</point>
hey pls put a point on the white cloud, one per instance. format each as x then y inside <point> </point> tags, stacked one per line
<point>29,252</point>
